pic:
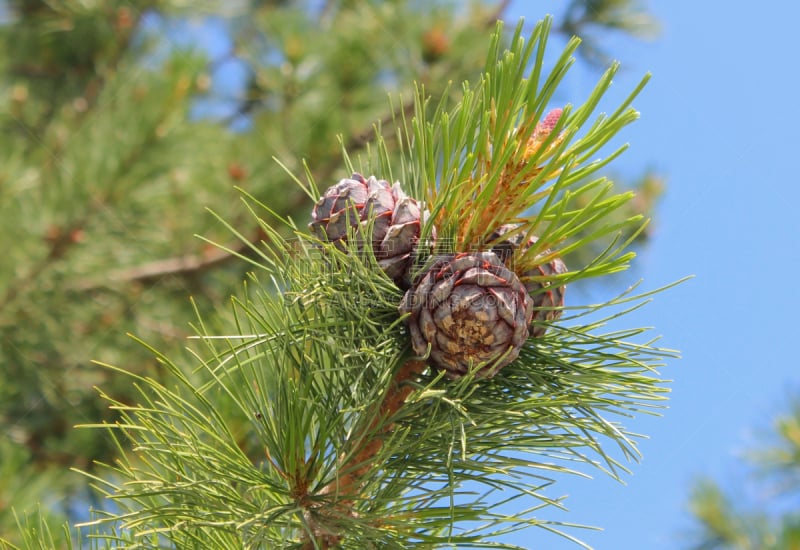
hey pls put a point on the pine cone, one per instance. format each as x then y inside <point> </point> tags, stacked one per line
<point>546,297</point>
<point>472,311</point>
<point>396,220</point>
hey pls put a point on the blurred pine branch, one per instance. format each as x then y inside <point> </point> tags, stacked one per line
<point>758,510</point>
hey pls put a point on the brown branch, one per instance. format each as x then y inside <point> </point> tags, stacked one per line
<point>354,467</point>
<point>178,265</point>
<point>497,13</point>
<point>181,266</point>
<point>360,140</point>
<point>349,483</point>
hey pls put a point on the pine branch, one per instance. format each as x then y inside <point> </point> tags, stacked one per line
<point>187,265</point>
<point>61,240</point>
<point>307,424</point>
<point>360,451</point>
<point>355,466</point>
<point>96,78</point>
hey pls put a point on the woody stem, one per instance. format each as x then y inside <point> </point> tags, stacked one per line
<point>349,483</point>
<point>355,466</point>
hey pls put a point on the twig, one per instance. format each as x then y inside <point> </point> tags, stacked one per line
<point>498,12</point>
<point>346,487</point>
<point>349,483</point>
<point>360,140</point>
<point>182,266</point>
<point>178,265</point>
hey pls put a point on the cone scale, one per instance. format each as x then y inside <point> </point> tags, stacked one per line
<point>469,311</point>
<point>548,299</point>
<point>396,221</point>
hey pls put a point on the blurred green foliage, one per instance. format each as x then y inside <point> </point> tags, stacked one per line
<point>107,168</point>
<point>758,511</point>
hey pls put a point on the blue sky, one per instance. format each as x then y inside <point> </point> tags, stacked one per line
<point>720,119</point>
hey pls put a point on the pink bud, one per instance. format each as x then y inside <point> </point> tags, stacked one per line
<point>549,122</point>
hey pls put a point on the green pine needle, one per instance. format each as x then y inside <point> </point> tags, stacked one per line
<point>478,168</point>
<point>247,447</point>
